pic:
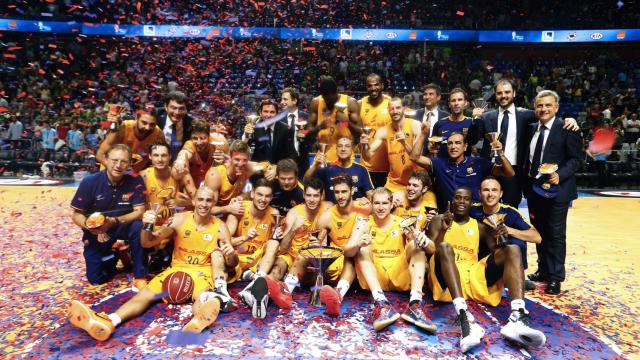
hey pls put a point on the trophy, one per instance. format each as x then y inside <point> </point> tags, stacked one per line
<point>480,103</point>
<point>433,140</point>
<point>410,114</point>
<point>495,154</point>
<point>367,131</point>
<point>149,226</point>
<point>428,209</point>
<point>340,107</point>
<point>94,220</point>
<point>409,225</point>
<point>162,195</point>
<point>546,189</point>
<point>115,110</point>
<point>320,257</point>
<point>251,119</point>
<point>276,222</point>
<point>494,220</point>
<point>315,232</point>
<point>215,144</point>
<point>322,147</point>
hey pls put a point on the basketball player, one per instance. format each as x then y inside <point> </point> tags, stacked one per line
<point>374,112</point>
<point>398,257</point>
<point>202,250</point>
<point>400,138</point>
<point>229,180</point>
<point>137,134</point>
<point>420,201</point>
<point>456,272</point>
<point>328,121</point>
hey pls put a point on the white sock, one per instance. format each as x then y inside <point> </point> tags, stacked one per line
<point>221,286</point>
<point>342,287</point>
<point>261,273</point>
<point>459,304</point>
<point>517,304</point>
<point>115,319</point>
<point>291,281</point>
<point>248,275</point>
<point>378,296</point>
<point>416,295</point>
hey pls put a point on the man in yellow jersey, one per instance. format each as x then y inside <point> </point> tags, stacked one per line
<point>399,137</point>
<point>332,115</point>
<point>374,112</point>
<point>202,249</point>
<point>251,233</point>
<point>137,134</point>
<point>230,179</point>
<point>197,156</point>
<point>420,201</point>
<point>395,257</point>
<point>456,272</point>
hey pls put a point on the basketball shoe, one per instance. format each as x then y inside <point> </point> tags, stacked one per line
<point>472,333</point>
<point>384,315</point>
<point>98,325</point>
<point>279,293</point>
<point>415,315</point>
<point>332,299</point>
<point>518,329</point>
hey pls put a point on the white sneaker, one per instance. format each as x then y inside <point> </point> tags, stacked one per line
<point>259,293</point>
<point>472,333</point>
<point>517,329</point>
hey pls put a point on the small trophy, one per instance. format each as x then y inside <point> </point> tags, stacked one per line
<point>428,209</point>
<point>341,107</point>
<point>251,119</point>
<point>115,110</point>
<point>149,226</point>
<point>544,173</point>
<point>410,114</point>
<point>480,103</point>
<point>495,154</point>
<point>276,222</point>
<point>494,220</point>
<point>409,225</point>
<point>367,131</point>
<point>322,147</point>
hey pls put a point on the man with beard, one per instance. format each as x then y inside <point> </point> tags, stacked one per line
<point>333,115</point>
<point>174,121</point>
<point>457,273</point>
<point>202,250</point>
<point>399,137</point>
<point>455,122</point>
<point>374,112</point>
<point>137,135</point>
<point>420,201</point>
<point>230,179</point>
<point>344,165</point>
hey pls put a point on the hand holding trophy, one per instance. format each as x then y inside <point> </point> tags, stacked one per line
<point>496,221</point>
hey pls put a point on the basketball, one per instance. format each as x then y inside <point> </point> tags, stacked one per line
<point>178,287</point>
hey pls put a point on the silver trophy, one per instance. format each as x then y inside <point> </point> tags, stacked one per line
<point>276,222</point>
<point>495,154</point>
<point>251,119</point>
<point>480,103</point>
<point>494,220</point>
<point>322,148</point>
<point>367,131</point>
<point>320,257</point>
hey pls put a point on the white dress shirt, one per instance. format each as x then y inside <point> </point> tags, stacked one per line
<point>434,118</point>
<point>511,142</point>
<point>534,140</point>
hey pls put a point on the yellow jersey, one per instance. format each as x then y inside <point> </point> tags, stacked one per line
<point>428,199</point>
<point>342,226</point>
<point>400,166</point>
<point>386,244</point>
<point>154,187</point>
<point>264,227</point>
<point>193,247</point>
<point>465,240</point>
<point>126,135</point>
<point>301,236</point>
<point>376,117</point>
<point>334,130</point>
<point>228,190</point>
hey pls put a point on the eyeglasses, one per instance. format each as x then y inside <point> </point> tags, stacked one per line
<point>119,162</point>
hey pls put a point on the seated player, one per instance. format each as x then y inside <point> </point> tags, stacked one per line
<point>230,179</point>
<point>398,256</point>
<point>251,235</point>
<point>346,165</point>
<point>420,201</point>
<point>457,273</point>
<point>196,157</point>
<point>519,230</point>
<point>287,191</point>
<point>119,196</point>
<point>202,250</point>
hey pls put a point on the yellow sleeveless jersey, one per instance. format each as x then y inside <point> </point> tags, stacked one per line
<point>386,244</point>
<point>465,240</point>
<point>428,199</point>
<point>301,237</point>
<point>126,135</point>
<point>154,187</point>
<point>376,117</point>
<point>198,165</point>
<point>228,190</point>
<point>330,135</point>
<point>400,166</point>
<point>193,247</point>
<point>264,227</point>
<point>341,227</point>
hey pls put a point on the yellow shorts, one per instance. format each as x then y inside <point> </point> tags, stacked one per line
<point>394,187</point>
<point>393,274</point>
<point>472,281</point>
<point>246,262</point>
<point>334,270</point>
<point>201,275</point>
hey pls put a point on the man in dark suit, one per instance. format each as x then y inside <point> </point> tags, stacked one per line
<point>289,103</point>
<point>431,112</point>
<point>174,121</point>
<point>549,197</point>
<point>273,139</point>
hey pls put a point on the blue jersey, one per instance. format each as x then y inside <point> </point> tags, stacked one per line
<point>444,127</point>
<point>97,194</point>
<point>359,174</point>
<point>513,218</point>
<point>450,176</point>
<point>284,200</point>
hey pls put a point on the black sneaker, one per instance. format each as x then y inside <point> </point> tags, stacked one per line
<point>472,333</point>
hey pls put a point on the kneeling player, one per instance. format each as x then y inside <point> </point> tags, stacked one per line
<point>398,256</point>
<point>202,249</point>
<point>456,273</point>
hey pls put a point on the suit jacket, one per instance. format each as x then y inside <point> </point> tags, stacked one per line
<point>563,147</point>
<point>281,147</point>
<point>419,115</point>
<point>304,147</point>
<point>161,118</point>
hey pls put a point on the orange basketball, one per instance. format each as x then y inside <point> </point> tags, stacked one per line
<point>178,287</point>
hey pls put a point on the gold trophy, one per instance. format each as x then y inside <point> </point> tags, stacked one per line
<point>410,114</point>
<point>544,172</point>
<point>276,222</point>
<point>322,147</point>
<point>494,220</point>
<point>495,154</point>
<point>251,119</point>
<point>367,131</point>
<point>340,107</point>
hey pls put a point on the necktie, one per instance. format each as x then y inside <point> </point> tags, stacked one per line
<point>504,127</point>
<point>537,153</point>
<point>292,124</point>
<point>292,120</point>
<point>175,144</point>
<point>429,119</point>
<point>269,135</point>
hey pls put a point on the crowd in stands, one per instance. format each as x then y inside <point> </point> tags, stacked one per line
<point>465,14</point>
